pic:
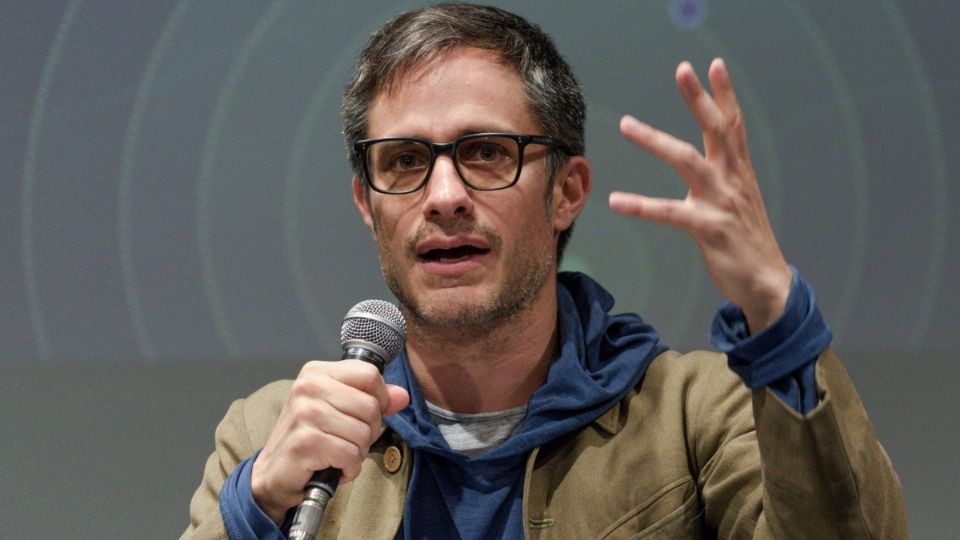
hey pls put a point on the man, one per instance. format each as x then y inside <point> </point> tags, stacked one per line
<point>521,407</point>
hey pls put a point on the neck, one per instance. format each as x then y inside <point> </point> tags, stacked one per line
<point>491,369</point>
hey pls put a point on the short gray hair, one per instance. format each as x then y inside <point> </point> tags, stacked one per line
<point>410,39</point>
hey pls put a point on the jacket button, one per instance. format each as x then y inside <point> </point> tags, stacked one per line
<point>392,459</point>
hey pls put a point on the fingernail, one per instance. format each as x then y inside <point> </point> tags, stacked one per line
<point>629,123</point>
<point>615,199</point>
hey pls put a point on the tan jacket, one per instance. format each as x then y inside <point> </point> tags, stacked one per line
<point>679,457</point>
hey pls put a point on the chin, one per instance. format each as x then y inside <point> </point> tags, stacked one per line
<point>456,303</point>
<point>466,309</point>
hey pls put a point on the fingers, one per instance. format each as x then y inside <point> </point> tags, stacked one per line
<point>350,374</point>
<point>704,109</point>
<point>726,100</point>
<point>724,135</point>
<point>399,399</point>
<point>343,400</point>
<point>330,416</point>
<point>719,116</point>
<point>680,155</point>
<point>665,211</point>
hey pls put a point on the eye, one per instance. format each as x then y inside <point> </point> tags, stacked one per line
<point>400,156</point>
<point>489,152</point>
<point>407,161</point>
<point>485,150</point>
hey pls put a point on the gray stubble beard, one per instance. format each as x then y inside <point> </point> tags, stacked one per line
<point>515,296</point>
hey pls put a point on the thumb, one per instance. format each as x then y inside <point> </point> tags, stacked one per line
<point>399,399</point>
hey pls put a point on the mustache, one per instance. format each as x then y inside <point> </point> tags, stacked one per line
<point>489,234</point>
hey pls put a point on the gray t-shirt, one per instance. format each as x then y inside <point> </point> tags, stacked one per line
<point>475,434</point>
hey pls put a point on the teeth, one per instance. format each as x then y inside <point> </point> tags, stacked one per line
<point>451,259</point>
<point>452,255</point>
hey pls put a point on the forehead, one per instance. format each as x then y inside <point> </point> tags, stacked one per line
<point>463,90</point>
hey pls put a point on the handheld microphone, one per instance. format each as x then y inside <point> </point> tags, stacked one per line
<point>373,331</point>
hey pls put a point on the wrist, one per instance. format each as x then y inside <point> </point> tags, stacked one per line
<point>768,300</point>
<point>261,495</point>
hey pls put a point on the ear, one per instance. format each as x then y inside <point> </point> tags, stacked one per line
<point>362,202</point>
<point>570,190</point>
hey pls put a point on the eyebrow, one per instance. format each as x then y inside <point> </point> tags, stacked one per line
<point>473,130</point>
<point>485,129</point>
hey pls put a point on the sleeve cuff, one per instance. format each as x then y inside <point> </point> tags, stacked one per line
<point>789,345</point>
<point>242,518</point>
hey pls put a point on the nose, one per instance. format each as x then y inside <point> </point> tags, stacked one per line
<point>446,197</point>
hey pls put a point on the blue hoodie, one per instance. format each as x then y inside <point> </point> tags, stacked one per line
<point>601,358</point>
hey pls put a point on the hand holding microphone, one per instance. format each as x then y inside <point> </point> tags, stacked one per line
<point>331,417</point>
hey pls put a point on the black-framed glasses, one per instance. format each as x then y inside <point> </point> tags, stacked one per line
<point>484,161</point>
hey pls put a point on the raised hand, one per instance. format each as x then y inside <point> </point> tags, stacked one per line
<point>331,417</point>
<point>723,210</point>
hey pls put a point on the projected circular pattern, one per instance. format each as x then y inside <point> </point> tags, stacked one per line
<point>683,28</point>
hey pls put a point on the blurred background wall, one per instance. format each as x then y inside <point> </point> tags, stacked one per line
<point>177,228</point>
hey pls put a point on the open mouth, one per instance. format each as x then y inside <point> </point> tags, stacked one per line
<point>453,254</point>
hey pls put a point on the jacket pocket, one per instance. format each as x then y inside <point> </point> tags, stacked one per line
<point>674,512</point>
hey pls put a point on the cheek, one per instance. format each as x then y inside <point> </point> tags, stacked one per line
<point>530,225</point>
<point>388,230</point>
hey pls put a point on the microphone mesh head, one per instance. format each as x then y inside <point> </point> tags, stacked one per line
<point>377,322</point>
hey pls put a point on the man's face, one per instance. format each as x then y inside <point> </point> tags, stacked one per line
<point>453,256</point>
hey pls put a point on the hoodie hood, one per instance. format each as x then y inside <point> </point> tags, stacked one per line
<point>601,357</point>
